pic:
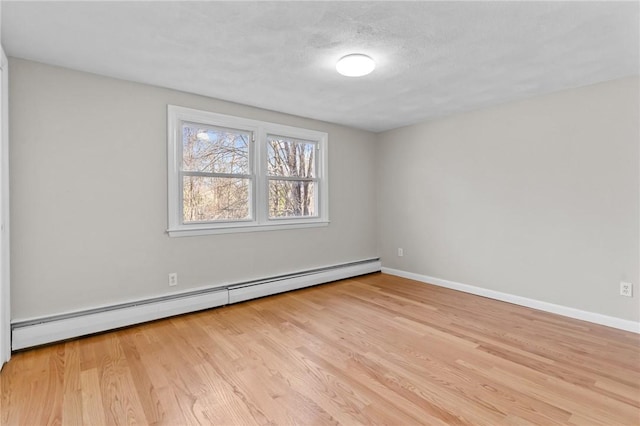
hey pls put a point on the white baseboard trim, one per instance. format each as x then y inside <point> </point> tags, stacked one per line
<point>566,311</point>
<point>43,330</point>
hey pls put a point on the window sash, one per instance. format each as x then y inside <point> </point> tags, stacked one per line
<point>250,198</point>
<point>296,141</point>
<point>218,129</point>
<point>315,199</point>
<point>297,179</point>
<point>210,174</point>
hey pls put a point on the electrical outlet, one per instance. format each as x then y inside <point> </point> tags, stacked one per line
<point>626,289</point>
<point>173,279</point>
<point>400,252</point>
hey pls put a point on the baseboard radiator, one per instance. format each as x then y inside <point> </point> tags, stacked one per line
<point>43,330</point>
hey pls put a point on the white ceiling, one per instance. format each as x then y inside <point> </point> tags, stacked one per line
<point>434,58</point>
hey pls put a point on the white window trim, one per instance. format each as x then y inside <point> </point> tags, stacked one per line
<point>260,129</point>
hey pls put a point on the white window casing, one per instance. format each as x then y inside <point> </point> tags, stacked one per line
<point>258,175</point>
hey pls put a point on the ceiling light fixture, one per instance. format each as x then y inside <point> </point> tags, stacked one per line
<point>355,65</point>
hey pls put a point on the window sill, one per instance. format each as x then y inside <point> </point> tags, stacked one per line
<point>196,230</point>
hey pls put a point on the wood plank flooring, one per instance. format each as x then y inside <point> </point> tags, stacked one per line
<point>376,349</point>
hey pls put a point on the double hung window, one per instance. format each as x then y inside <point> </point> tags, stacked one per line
<point>230,174</point>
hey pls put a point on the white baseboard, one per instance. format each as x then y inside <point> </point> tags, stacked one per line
<point>43,330</point>
<point>522,301</point>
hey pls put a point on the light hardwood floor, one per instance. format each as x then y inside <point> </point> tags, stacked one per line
<point>373,349</point>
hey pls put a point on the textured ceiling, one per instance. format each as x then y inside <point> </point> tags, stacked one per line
<point>434,58</point>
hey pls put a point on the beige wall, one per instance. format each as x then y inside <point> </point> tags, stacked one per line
<point>537,198</point>
<point>89,197</point>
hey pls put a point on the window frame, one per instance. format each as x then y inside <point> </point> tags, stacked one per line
<point>273,177</point>
<point>250,176</point>
<point>259,188</point>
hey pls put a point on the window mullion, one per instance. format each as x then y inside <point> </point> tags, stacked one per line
<point>261,181</point>
<point>253,161</point>
<point>176,165</point>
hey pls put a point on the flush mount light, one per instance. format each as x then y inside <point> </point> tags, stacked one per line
<point>355,65</point>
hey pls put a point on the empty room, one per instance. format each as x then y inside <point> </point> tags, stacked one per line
<point>369,212</point>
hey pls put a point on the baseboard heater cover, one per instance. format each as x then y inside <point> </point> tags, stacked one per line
<point>35,332</point>
<point>241,292</point>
